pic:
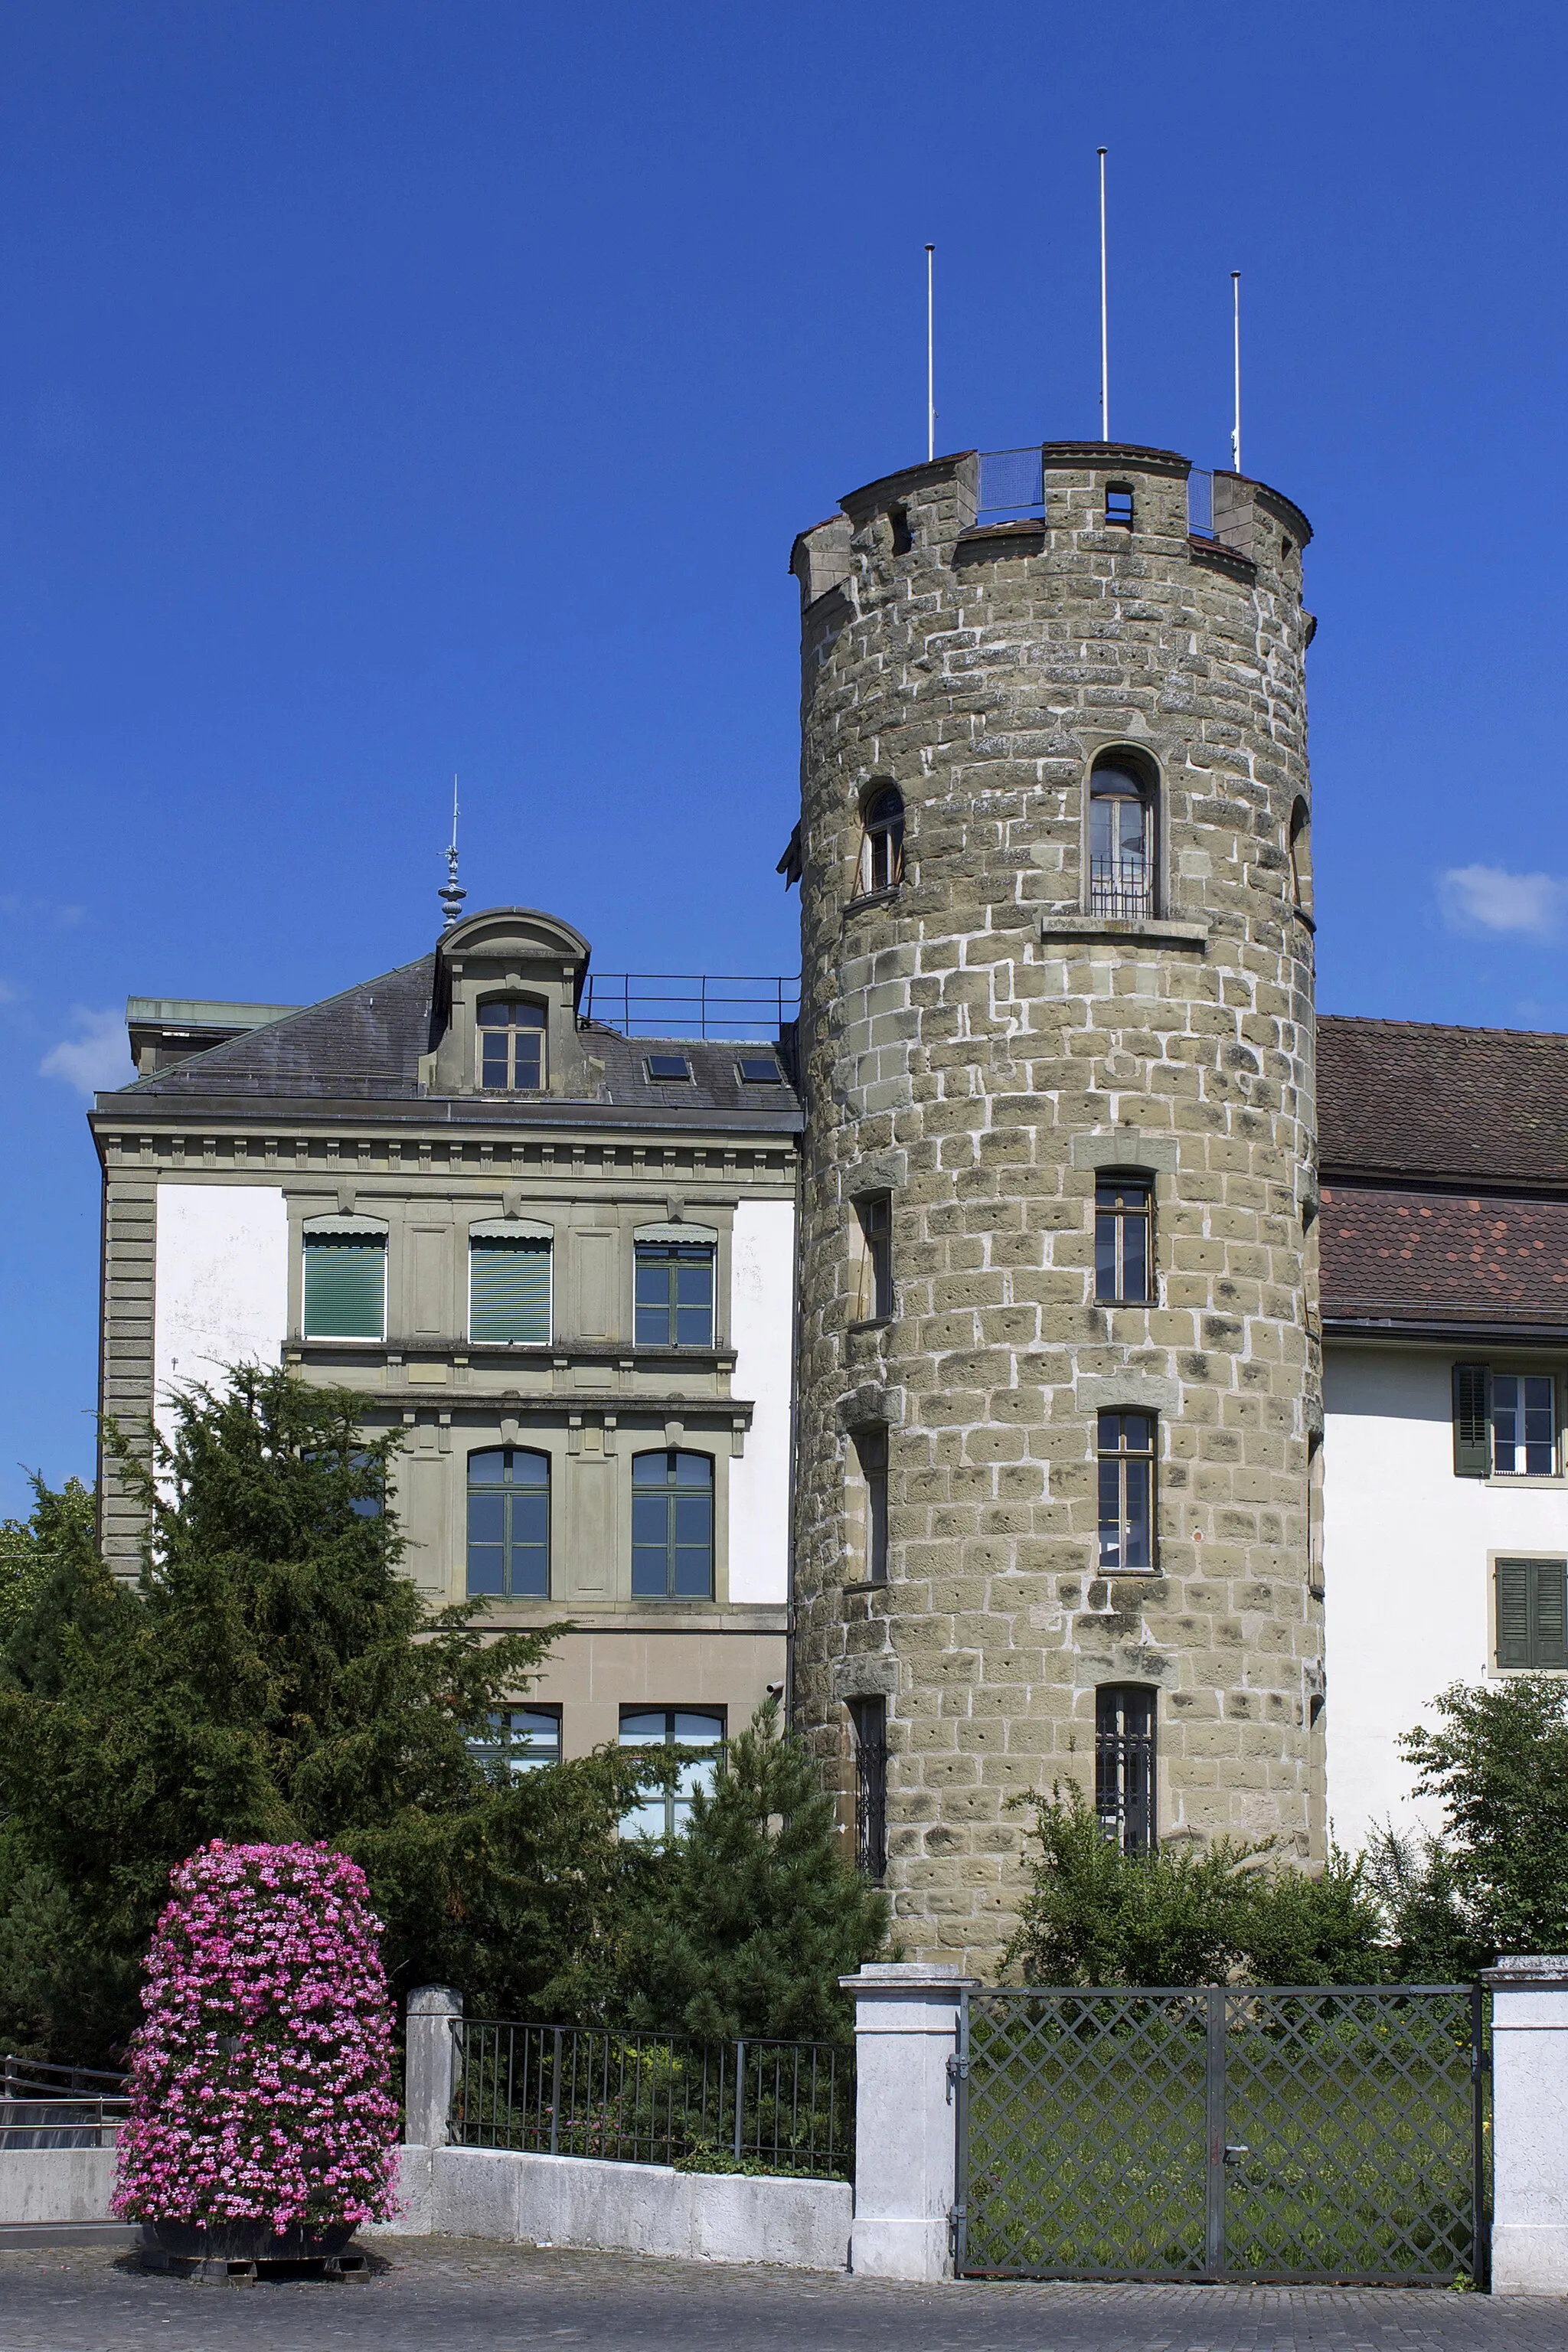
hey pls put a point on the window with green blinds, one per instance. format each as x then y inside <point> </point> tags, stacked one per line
<point>508,1291</point>
<point>1533,1613</point>
<point>345,1285</point>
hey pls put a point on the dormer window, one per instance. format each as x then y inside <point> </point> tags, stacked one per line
<point>512,1046</point>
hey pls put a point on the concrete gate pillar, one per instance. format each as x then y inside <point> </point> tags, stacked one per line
<point>1530,2126</point>
<point>906,2029</point>
<point>430,2064</point>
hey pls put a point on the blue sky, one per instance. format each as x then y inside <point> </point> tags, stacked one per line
<point>392,389</point>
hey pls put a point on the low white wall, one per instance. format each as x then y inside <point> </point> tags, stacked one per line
<point>54,2184</point>
<point>644,2209</point>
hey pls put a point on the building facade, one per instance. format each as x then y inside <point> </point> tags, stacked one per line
<point>558,1258</point>
<point>1059,1392</point>
<point>1445,1291</point>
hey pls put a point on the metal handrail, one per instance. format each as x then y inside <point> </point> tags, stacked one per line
<point>43,2105</point>
<point>739,1005</point>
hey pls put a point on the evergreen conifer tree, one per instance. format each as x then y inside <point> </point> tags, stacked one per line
<point>757,1911</point>
<point>274,1677</point>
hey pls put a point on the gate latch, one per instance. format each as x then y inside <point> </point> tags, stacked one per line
<point>957,2071</point>
<point>1233,2155</point>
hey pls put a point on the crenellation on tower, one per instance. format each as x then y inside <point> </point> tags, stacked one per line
<point>1094,958</point>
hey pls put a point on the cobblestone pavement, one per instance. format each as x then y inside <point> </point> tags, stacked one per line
<point>451,2295</point>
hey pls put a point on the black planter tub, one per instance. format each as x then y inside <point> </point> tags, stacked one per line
<point>246,2249</point>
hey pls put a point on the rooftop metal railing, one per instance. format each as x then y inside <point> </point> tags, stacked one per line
<point>59,2107</point>
<point>1012,484</point>
<point>739,1005</point>
<point>655,2098</point>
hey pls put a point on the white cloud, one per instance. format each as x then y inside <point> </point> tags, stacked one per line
<point>1489,898</point>
<point>97,1060</point>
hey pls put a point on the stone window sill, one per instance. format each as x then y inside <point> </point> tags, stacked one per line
<point>872,1322</point>
<point>872,898</point>
<point>1504,1482</point>
<point>1153,932</point>
<point>868,1584</point>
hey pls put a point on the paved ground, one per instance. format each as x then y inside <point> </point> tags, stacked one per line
<point>450,2295</point>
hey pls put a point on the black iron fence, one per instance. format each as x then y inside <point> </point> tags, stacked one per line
<point>1223,2133</point>
<point>656,2098</point>
<point>59,2107</point>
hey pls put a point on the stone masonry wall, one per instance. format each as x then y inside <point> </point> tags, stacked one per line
<point>977,1044</point>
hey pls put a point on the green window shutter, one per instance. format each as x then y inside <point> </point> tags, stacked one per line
<point>510,1292</point>
<point>1513,1582</point>
<point>1472,1423</point>
<point>1551,1645</point>
<point>345,1287</point>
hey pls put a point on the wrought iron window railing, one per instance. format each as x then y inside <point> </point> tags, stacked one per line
<point>1120,889</point>
<point>655,2098</point>
<point>59,2107</point>
<point>1125,1788</point>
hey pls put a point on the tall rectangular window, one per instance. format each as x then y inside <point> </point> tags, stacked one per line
<point>512,1046</point>
<point>871,1450</point>
<point>675,1295</point>
<point>509,1525</point>
<point>1124,1764</point>
<point>869,1718</point>
<point>345,1285</point>
<point>1533,1613</point>
<point>1126,1451</point>
<point>1524,1424</point>
<point>509,1291</point>
<point>874,1287</point>
<point>1121,1255</point>
<point>672,1526</point>
<point>664,1812</point>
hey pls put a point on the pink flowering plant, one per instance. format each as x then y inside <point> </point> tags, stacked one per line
<point>260,2076</point>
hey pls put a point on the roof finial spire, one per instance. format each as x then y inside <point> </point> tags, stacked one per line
<point>452,893</point>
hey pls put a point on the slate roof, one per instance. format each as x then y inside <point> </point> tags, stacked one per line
<point>1419,1099</point>
<point>364,1046</point>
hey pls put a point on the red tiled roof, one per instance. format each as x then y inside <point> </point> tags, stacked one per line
<point>1418,1099</point>
<point>1395,1253</point>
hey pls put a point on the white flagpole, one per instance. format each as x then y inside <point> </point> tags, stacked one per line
<point>1104,318</point>
<point>931,356</point>
<point>1236,350</point>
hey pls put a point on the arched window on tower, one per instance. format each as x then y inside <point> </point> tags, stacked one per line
<point>882,843</point>
<point>1122,819</point>
<point>1301,858</point>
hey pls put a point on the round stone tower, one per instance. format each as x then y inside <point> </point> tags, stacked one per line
<point>1059,1380</point>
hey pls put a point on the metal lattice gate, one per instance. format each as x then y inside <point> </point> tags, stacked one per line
<point>1223,2132</point>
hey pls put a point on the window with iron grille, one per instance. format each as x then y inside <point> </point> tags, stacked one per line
<point>1121,838</point>
<point>509,1524</point>
<point>512,1046</point>
<point>874,1289</point>
<point>882,843</point>
<point>1124,1764</point>
<point>1123,1216</point>
<point>1533,1614</point>
<point>1126,1463</point>
<point>869,1718</point>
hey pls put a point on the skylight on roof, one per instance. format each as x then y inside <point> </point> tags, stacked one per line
<point>760,1070</point>
<point>668,1065</point>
